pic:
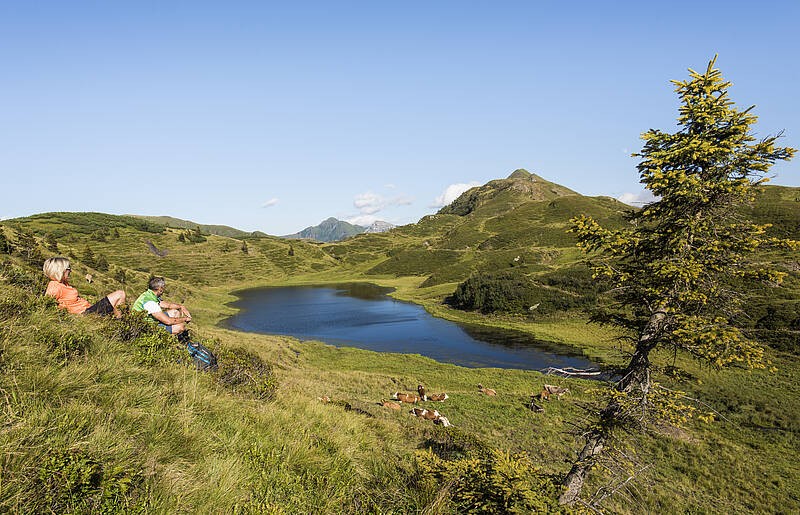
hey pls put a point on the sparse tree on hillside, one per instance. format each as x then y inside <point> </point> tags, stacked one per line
<point>120,276</point>
<point>26,245</point>
<point>673,272</point>
<point>244,247</point>
<point>291,250</point>
<point>88,257</point>
<point>181,238</point>
<point>115,233</point>
<point>50,242</point>
<point>101,263</point>
<point>5,246</point>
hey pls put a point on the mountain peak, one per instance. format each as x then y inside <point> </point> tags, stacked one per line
<point>332,229</point>
<point>520,173</point>
<point>502,194</point>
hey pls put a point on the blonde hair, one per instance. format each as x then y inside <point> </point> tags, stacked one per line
<point>55,267</point>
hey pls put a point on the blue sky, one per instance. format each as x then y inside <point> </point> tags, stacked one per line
<point>274,116</point>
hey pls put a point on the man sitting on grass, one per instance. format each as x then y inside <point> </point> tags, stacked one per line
<point>172,317</point>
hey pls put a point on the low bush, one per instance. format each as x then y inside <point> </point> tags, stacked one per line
<point>71,481</point>
<point>63,345</point>
<point>28,280</point>
<point>243,372</point>
<point>511,292</point>
<point>480,479</point>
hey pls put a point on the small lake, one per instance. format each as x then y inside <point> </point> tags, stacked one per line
<point>362,315</point>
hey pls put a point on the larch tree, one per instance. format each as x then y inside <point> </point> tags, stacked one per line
<point>673,272</point>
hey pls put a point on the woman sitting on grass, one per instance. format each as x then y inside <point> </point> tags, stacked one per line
<point>57,270</point>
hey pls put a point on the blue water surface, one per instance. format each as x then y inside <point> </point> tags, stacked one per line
<point>363,316</point>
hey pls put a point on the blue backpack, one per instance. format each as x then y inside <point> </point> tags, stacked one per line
<point>202,357</point>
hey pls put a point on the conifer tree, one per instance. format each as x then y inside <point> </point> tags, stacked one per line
<point>5,246</point>
<point>27,246</point>
<point>50,241</point>
<point>674,271</point>
<point>244,247</point>
<point>88,257</point>
<point>101,263</point>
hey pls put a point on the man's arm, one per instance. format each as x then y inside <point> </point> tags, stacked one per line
<point>168,320</point>
<point>171,305</point>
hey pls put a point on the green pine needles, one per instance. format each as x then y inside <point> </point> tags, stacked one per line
<point>678,272</point>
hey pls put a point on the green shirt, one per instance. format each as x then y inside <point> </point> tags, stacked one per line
<point>147,296</point>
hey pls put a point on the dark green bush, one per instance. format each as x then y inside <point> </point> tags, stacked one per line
<point>63,345</point>
<point>464,204</point>
<point>71,481</point>
<point>29,280</point>
<point>5,245</point>
<point>481,479</point>
<point>244,372</point>
<point>511,292</point>
<point>151,343</point>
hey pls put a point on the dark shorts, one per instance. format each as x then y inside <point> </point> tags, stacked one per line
<point>101,307</point>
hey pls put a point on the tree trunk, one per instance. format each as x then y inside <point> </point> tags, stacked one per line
<point>636,375</point>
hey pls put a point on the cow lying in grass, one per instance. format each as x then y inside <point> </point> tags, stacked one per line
<point>390,404</point>
<point>435,397</point>
<point>408,398</point>
<point>433,415</point>
<point>487,391</point>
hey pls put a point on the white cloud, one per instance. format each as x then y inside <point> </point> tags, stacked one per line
<point>452,192</point>
<point>271,202</point>
<point>362,219</point>
<point>369,203</point>
<point>637,199</point>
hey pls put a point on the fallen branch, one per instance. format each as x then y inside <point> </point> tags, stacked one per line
<point>570,371</point>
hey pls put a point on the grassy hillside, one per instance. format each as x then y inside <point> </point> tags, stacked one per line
<point>219,230</point>
<point>86,400</point>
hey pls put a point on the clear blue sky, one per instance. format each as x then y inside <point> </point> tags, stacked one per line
<point>274,116</point>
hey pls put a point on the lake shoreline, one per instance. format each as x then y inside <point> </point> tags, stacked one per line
<point>443,340</point>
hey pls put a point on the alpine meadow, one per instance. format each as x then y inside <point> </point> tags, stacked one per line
<point>690,304</point>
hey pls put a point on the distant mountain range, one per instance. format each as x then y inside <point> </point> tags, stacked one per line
<point>329,230</point>
<point>335,230</point>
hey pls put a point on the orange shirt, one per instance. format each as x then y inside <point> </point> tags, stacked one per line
<point>67,297</point>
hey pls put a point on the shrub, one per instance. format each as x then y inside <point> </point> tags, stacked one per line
<point>5,245</point>
<point>152,344</point>
<point>480,479</point>
<point>511,292</point>
<point>31,281</point>
<point>71,481</point>
<point>63,345</point>
<point>156,347</point>
<point>244,372</point>
<point>101,263</point>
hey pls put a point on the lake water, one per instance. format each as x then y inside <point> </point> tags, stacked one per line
<point>362,315</point>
